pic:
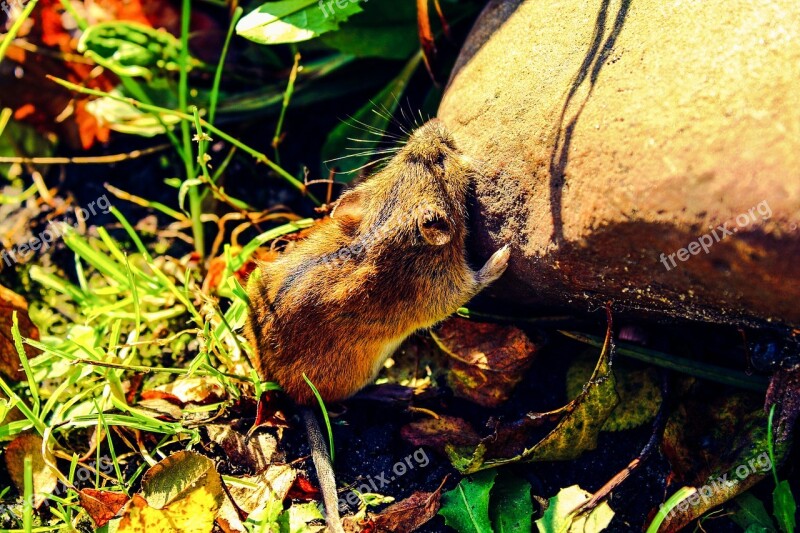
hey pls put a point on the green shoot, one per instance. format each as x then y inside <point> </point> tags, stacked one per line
<point>324,414</point>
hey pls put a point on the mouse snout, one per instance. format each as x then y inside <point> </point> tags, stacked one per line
<point>431,144</point>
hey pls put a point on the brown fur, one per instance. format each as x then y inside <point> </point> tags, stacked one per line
<point>389,261</point>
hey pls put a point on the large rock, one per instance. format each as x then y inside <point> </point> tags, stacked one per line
<point>614,132</point>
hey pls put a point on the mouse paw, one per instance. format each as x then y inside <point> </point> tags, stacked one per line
<point>495,266</point>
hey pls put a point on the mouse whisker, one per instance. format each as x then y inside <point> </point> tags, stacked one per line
<point>354,139</point>
<point>373,130</point>
<point>368,153</point>
<point>371,163</point>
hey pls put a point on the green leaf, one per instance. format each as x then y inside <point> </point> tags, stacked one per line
<point>292,21</point>
<point>386,28</point>
<point>559,516</point>
<point>511,505</point>
<point>374,116</point>
<point>178,475</point>
<point>752,515</point>
<point>466,507</point>
<point>130,48</point>
<point>639,392</point>
<point>784,506</point>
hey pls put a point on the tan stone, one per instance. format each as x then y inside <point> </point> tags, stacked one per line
<point>612,132</point>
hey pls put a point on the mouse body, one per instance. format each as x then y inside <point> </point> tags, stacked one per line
<point>389,261</point>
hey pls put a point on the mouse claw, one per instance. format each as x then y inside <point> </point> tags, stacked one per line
<point>495,266</point>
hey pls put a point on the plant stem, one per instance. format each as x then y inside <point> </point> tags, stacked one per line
<point>12,32</point>
<point>679,364</point>
<point>258,156</point>
<point>212,105</point>
<point>195,202</point>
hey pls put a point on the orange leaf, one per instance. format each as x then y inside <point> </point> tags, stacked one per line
<point>102,505</point>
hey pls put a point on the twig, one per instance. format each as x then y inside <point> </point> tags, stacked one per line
<point>658,429</point>
<point>95,160</point>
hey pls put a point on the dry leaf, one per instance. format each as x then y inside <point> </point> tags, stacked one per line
<point>9,359</point>
<point>253,454</point>
<point>273,485</point>
<point>102,505</point>
<point>487,360</point>
<point>410,514</point>
<point>181,493</point>
<point>44,480</point>
<point>440,432</point>
<point>199,390</point>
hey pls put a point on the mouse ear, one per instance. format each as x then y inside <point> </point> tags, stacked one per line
<point>434,226</point>
<point>349,210</point>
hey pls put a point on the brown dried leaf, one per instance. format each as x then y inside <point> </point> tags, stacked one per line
<point>441,432</point>
<point>44,480</point>
<point>410,514</point>
<point>102,505</point>
<point>200,390</point>
<point>271,411</point>
<point>9,359</point>
<point>487,360</point>
<point>161,409</point>
<point>302,489</point>
<point>255,453</point>
<point>272,485</point>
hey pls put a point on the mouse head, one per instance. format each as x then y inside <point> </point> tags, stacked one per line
<point>418,199</point>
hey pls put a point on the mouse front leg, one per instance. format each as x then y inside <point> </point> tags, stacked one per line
<point>493,268</point>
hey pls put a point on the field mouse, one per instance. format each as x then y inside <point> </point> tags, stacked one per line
<point>389,261</point>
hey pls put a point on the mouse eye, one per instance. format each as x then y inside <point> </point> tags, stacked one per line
<point>440,160</point>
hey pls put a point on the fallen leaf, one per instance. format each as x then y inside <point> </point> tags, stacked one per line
<point>180,493</point>
<point>102,505</point>
<point>438,433</point>
<point>161,408</point>
<point>638,389</point>
<point>228,517</point>
<point>466,507</point>
<point>178,476</point>
<point>199,390</point>
<point>303,489</point>
<point>739,461</point>
<point>253,454</point>
<point>9,359</point>
<point>579,423</point>
<point>410,514</point>
<point>511,504</point>
<point>487,360</point>
<point>272,485</point>
<point>44,480</point>
<point>559,516</point>
<point>271,411</point>
<point>193,514</point>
